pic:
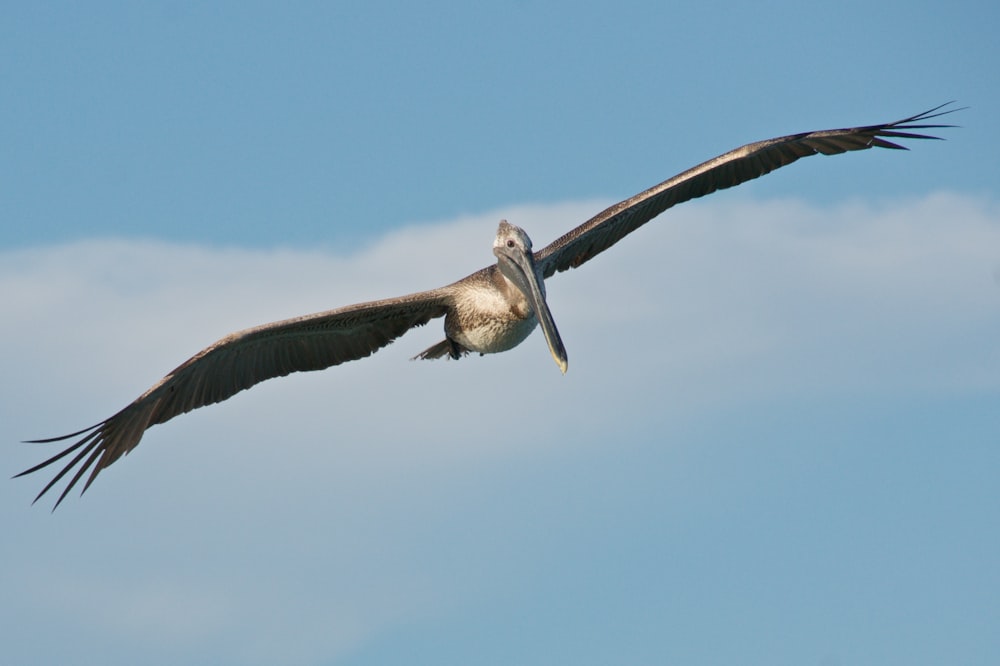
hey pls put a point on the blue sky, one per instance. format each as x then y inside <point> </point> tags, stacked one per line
<point>777,439</point>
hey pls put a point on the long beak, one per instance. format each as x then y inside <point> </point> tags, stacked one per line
<point>520,269</point>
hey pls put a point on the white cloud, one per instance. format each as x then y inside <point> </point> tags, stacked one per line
<point>723,302</point>
<point>714,304</point>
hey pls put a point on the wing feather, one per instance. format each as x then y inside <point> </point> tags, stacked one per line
<point>728,170</point>
<point>239,361</point>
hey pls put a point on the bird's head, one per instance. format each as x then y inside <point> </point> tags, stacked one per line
<point>512,248</point>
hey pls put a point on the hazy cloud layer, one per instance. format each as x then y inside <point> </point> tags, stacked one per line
<point>313,515</point>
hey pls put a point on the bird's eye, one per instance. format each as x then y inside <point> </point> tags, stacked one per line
<point>510,243</point>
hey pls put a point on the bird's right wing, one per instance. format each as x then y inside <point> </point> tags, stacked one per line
<point>727,170</point>
<point>240,360</point>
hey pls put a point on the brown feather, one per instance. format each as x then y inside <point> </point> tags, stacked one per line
<point>727,170</point>
<point>239,361</point>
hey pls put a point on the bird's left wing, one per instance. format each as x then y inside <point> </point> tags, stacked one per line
<point>237,362</point>
<point>727,170</point>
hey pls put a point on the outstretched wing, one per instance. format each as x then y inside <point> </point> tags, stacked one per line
<point>735,167</point>
<point>237,362</point>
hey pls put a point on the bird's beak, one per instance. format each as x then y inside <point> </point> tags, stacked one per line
<point>519,267</point>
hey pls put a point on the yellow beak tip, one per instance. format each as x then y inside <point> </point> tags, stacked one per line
<point>563,365</point>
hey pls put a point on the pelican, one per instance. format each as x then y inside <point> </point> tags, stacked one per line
<point>490,311</point>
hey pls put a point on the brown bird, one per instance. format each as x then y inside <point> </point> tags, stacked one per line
<point>490,311</point>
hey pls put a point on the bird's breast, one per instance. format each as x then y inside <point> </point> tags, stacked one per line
<point>484,320</point>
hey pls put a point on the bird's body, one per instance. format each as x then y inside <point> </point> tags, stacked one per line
<point>489,311</point>
<point>489,314</point>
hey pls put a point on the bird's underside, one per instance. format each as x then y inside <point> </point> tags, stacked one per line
<point>492,310</point>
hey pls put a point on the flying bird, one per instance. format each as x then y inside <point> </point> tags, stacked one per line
<point>489,311</point>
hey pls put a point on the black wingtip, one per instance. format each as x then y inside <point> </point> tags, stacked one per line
<point>89,444</point>
<point>900,129</point>
<point>936,112</point>
<point>61,438</point>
